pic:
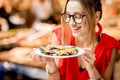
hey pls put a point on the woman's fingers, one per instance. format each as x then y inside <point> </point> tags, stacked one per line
<point>89,49</point>
<point>89,53</point>
<point>88,57</point>
<point>36,57</point>
<point>32,54</point>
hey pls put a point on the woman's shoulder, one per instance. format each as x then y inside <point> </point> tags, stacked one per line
<point>105,37</point>
<point>58,29</point>
<point>109,41</point>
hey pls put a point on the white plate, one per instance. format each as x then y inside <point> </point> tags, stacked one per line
<point>80,51</point>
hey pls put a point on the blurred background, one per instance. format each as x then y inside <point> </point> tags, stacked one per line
<point>27,24</point>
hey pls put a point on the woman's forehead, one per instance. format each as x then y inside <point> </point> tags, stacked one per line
<point>74,6</point>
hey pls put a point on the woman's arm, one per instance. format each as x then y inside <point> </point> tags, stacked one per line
<point>88,59</point>
<point>52,71</point>
<point>108,73</point>
<point>92,71</point>
<point>52,68</point>
<point>50,63</point>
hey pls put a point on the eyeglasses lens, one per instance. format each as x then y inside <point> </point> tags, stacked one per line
<point>77,18</point>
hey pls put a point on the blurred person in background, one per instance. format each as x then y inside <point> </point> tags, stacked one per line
<point>24,15</point>
<point>111,17</point>
<point>42,9</point>
<point>46,13</point>
<point>3,22</point>
<point>110,13</point>
<point>4,27</point>
<point>6,10</point>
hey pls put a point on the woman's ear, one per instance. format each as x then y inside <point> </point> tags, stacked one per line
<point>97,16</point>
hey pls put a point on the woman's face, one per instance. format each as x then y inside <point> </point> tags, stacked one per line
<point>81,29</point>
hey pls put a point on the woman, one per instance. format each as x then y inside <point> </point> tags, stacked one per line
<point>82,16</point>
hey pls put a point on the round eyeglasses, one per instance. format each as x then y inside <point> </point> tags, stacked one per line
<point>76,17</point>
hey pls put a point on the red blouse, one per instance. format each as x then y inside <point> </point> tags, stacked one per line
<point>69,69</point>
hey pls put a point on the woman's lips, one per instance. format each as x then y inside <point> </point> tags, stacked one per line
<point>77,28</point>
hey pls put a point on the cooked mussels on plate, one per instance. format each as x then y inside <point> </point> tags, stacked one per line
<point>60,51</point>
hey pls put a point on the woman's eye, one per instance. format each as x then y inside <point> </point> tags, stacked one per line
<point>78,16</point>
<point>66,16</point>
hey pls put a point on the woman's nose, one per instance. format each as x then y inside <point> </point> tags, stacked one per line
<point>72,22</point>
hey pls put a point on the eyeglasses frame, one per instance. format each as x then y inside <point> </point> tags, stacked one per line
<point>82,15</point>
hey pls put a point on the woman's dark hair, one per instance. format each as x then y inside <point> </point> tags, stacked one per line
<point>90,4</point>
<point>98,6</point>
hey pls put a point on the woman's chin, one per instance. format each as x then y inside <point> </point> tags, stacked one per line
<point>75,34</point>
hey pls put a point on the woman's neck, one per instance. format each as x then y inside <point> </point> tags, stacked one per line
<point>86,41</point>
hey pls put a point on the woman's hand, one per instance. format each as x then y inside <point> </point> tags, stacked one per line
<point>88,58</point>
<point>43,60</point>
<point>51,68</point>
<point>49,62</point>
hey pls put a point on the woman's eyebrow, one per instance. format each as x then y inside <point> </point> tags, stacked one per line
<point>76,12</point>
